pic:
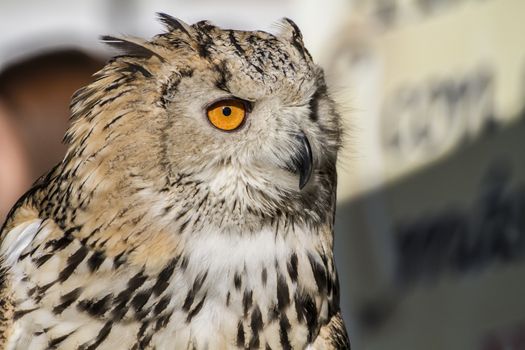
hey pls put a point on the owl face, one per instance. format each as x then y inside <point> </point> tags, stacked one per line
<point>245,116</point>
<point>250,113</point>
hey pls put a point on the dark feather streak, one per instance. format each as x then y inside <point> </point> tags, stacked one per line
<point>196,310</point>
<point>256,325</point>
<point>66,300</point>
<point>72,262</point>
<point>163,278</point>
<point>172,23</point>
<point>130,48</point>
<point>135,68</point>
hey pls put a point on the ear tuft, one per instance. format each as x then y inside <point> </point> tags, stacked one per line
<point>289,30</point>
<point>130,48</point>
<point>174,24</point>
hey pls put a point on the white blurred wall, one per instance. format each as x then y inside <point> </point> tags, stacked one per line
<point>31,25</point>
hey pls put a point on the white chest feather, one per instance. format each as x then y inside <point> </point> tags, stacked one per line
<point>222,291</point>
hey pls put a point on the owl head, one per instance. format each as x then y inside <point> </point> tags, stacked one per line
<point>238,122</point>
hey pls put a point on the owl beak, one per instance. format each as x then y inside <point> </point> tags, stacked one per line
<point>303,161</point>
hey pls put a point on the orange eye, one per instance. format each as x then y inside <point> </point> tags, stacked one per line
<point>227,114</point>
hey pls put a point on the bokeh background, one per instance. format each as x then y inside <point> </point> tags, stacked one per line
<point>430,228</point>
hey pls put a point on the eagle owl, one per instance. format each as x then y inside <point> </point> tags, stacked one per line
<point>194,208</point>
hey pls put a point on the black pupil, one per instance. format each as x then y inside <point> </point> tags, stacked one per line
<point>227,111</point>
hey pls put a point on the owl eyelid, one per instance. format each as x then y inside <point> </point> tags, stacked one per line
<point>248,105</point>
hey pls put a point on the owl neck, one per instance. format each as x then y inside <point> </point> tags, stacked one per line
<point>111,202</point>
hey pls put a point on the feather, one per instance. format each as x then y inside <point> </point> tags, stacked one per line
<point>174,23</point>
<point>130,48</point>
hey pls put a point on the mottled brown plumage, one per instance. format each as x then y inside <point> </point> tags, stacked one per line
<point>159,230</point>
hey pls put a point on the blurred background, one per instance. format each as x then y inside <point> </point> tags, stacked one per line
<point>430,228</point>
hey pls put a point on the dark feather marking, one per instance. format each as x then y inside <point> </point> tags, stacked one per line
<point>41,260</point>
<point>162,321</point>
<point>183,226</point>
<point>164,276</point>
<point>306,312</point>
<point>283,294</point>
<point>181,214</point>
<point>224,76</point>
<point>66,300</point>
<point>119,260</point>
<point>144,342</point>
<point>264,276</point>
<point>102,335</point>
<point>228,298</point>
<point>72,262</point>
<point>188,301</point>
<point>299,46</point>
<point>114,97</point>
<point>96,260</point>
<point>59,244</point>
<point>140,300</point>
<point>334,303</point>
<point>202,201</point>
<point>237,281</point>
<point>53,343</point>
<point>171,86</point>
<point>119,311</point>
<point>297,40</point>
<point>253,39</point>
<point>29,253</point>
<point>292,267</point>
<point>168,208</point>
<point>197,284</point>
<point>135,68</point>
<point>118,83</point>
<point>124,297</point>
<point>162,304</point>
<point>240,335</point>
<point>20,313</point>
<point>273,313</point>
<point>40,291</point>
<point>116,119</point>
<point>256,325</point>
<point>95,307</point>
<point>247,301</point>
<point>314,102</point>
<point>172,23</point>
<point>235,43</point>
<point>142,329</point>
<point>130,48</point>
<point>284,327</point>
<point>319,273</point>
<point>136,281</point>
<point>196,310</point>
<point>184,263</point>
<point>338,337</point>
<point>205,44</point>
